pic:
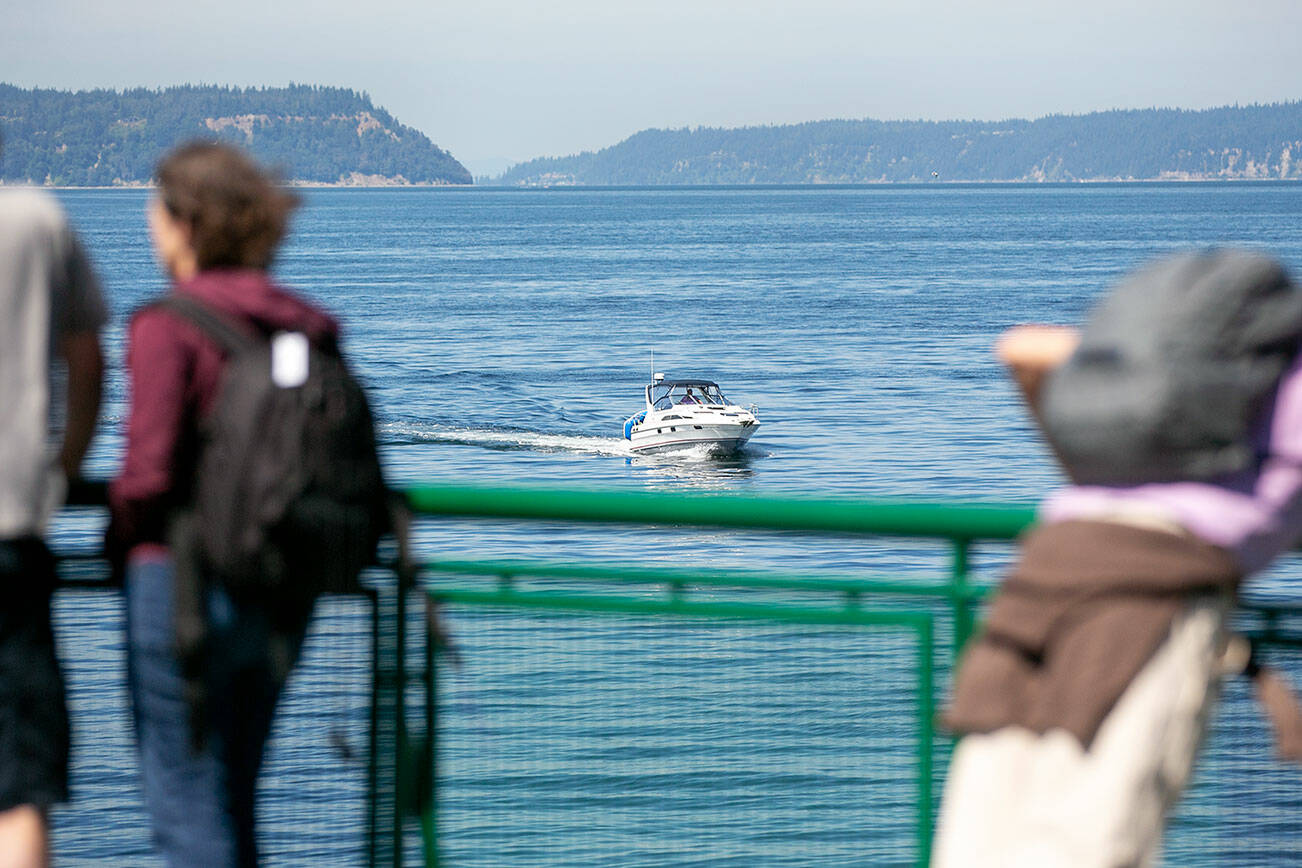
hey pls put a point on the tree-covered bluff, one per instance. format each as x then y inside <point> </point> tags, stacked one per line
<point>1249,142</point>
<point>313,134</point>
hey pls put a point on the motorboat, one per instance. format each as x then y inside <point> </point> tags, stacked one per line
<point>686,413</point>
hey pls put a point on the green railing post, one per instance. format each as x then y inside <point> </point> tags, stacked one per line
<point>386,740</point>
<point>429,812</point>
<point>401,752</point>
<point>373,820</point>
<point>926,737</point>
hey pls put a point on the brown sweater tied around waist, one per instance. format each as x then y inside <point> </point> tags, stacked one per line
<point>1084,609</point>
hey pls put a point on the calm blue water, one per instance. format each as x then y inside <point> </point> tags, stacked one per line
<point>506,335</point>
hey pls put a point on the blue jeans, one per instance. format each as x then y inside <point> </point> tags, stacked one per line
<point>200,799</point>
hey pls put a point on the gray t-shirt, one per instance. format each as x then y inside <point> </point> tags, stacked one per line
<point>47,290</point>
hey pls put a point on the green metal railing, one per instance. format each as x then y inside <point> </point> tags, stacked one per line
<point>960,526</point>
<point>403,764</point>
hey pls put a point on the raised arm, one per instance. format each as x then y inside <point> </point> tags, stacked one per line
<point>1031,352</point>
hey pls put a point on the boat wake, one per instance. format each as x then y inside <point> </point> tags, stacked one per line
<point>504,439</point>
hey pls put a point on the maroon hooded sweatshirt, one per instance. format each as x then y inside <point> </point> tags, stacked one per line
<point>175,371</point>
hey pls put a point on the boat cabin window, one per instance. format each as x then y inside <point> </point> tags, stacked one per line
<point>664,396</point>
<point>713,395</point>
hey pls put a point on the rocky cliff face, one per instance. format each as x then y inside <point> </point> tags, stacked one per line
<point>313,135</point>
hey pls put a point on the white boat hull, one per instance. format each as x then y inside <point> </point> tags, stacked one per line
<point>721,438</point>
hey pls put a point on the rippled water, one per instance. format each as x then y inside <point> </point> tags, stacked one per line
<point>506,335</point>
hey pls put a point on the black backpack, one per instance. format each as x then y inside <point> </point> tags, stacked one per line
<point>288,499</point>
<point>1174,369</point>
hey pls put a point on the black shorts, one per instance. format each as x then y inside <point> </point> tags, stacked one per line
<point>33,708</point>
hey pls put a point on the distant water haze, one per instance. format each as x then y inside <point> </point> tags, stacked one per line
<point>489,167</point>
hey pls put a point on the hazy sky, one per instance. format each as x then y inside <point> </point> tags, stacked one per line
<point>507,80</point>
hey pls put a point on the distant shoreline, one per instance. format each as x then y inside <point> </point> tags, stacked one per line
<point>867,185</point>
<point>861,185</point>
<point>149,185</point>
<point>1256,142</point>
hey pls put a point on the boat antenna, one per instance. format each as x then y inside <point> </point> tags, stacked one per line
<point>653,364</point>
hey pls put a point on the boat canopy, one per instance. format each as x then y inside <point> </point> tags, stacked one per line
<point>663,394</point>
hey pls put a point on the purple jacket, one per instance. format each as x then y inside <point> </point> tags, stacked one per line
<point>175,371</point>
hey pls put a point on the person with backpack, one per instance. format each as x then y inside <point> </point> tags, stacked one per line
<point>1177,414</point>
<point>51,370</point>
<point>236,503</point>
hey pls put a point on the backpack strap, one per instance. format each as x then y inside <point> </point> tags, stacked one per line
<point>221,328</point>
<point>225,330</point>
<point>189,621</point>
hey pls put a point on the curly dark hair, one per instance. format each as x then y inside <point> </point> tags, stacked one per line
<point>237,212</point>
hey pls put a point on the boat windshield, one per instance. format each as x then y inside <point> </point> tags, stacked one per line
<point>666,395</point>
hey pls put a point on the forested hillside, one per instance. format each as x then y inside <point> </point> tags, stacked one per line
<point>313,134</point>
<point>1251,142</point>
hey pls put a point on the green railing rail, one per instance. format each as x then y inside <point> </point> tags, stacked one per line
<point>965,522</point>
<point>960,524</point>
<point>404,767</point>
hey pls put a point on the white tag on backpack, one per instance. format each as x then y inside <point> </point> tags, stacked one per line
<point>289,359</point>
